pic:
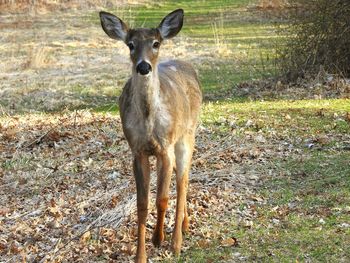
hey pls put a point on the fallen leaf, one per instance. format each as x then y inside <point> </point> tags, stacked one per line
<point>85,237</point>
<point>347,116</point>
<point>3,245</point>
<point>4,211</point>
<point>203,243</point>
<point>54,224</point>
<point>229,242</point>
<point>15,247</point>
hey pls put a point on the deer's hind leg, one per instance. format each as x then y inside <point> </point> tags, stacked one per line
<point>183,155</point>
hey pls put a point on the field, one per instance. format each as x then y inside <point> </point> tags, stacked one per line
<point>271,171</point>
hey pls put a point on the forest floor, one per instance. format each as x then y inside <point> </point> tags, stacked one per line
<point>270,179</point>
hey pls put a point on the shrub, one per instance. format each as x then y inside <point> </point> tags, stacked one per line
<point>317,38</point>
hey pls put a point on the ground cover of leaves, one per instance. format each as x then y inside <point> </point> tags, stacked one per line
<point>68,192</point>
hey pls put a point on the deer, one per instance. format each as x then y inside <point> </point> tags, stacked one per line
<point>159,109</point>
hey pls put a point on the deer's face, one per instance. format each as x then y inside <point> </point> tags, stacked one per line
<point>144,43</point>
<point>144,47</point>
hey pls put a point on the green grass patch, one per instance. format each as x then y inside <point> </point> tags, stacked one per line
<point>18,163</point>
<point>211,253</point>
<point>297,238</point>
<point>297,119</point>
<point>307,213</point>
<point>303,119</point>
<point>110,108</point>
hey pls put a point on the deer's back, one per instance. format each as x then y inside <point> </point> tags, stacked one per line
<point>181,91</point>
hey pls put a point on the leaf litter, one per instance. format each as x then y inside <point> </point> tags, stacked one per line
<point>68,193</point>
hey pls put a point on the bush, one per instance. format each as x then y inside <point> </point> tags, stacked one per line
<point>317,38</point>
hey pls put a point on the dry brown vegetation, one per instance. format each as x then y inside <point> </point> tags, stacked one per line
<point>71,196</point>
<point>310,87</point>
<point>316,39</point>
<point>53,62</point>
<point>44,6</point>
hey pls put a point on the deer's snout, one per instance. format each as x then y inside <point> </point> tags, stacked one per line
<point>143,68</point>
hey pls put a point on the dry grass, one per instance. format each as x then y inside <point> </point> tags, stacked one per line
<point>222,48</point>
<point>47,6</point>
<point>73,64</point>
<point>38,58</point>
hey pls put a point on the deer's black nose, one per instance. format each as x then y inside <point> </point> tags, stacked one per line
<point>143,68</point>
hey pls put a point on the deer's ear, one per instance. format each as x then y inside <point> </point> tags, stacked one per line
<point>171,24</point>
<point>113,26</point>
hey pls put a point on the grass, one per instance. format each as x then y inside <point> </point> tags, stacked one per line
<point>310,209</point>
<point>225,41</point>
<point>300,119</point>
<point>304,217</point>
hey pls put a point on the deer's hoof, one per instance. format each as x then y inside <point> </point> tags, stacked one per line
<point>176,249</point>
<point>176,246</point>
<point>158,238</point>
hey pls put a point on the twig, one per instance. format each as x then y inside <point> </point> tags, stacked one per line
<point>75,119</point>
<point>27,213</point>
<point>37,141</point>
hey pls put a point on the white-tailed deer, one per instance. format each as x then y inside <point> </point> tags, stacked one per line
<point>159,108</point>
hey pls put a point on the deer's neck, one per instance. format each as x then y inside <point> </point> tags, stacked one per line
<point>146,97</point>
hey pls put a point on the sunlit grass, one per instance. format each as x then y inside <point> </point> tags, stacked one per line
<point>295,119</point>
<point>304,215</point>
<point>325,104</point>
<point>292,120</point>
<point>309,223</point>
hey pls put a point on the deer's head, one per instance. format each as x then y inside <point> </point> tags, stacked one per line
<point>144,43</point>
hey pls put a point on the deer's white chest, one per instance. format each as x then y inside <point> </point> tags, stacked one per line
<point>150,132</point>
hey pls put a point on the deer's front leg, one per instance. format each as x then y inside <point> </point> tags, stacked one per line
<point>142,178</point>
<point>165,163</point>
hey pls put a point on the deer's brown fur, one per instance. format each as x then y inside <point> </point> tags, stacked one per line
<point>159,111</point>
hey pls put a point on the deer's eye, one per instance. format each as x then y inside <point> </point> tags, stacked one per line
<point>156,44</point>
<point>131,46</point>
